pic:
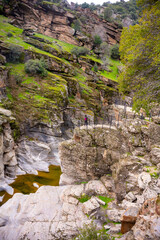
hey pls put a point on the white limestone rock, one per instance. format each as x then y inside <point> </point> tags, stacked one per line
<point>5,112</point>
<point>143,180</point>
<point>155,155</point>
<point>115,215</point>
<point>95,187</point>
<point>42,215</point>
<point>91,205</point>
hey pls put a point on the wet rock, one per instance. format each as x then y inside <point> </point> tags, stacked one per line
<point>32,156</point>
<point>3,220</point>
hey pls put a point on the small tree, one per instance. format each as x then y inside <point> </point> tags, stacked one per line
<point>77,51</point>
<point>107,14</point>
<point>76,26</point>
<point>95,68</point>
<point>85,5</point>
<point>16,53</point>
<point>97,41</point>
<point>115,52</point>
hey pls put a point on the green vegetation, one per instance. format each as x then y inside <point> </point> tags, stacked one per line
<point>92,58</point>
<point>84,198</point>
<point>107,14</point>
<point>113,73</point>
<point>95,68</point>
<point>90,232</point>
<point>115,52</point>
<point>106,200</point>
<point>97,41</point>
<point>79,51</point>
<point>76,26</point>
<point>155,175</point>
<point>122,9</point>
<point>140,54</point>
<point>36,67</point>
<point>42,94</point>
<point>57,43</point>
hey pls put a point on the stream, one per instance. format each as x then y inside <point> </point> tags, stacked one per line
<point>24,183</point>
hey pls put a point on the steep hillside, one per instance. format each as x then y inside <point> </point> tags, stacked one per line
<point>72,82</point>
<point>58,20</point>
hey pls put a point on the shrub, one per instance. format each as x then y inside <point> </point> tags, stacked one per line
<point>9,34</point>
<point>91,233</point>
<point>36,66</point>
<point>107,13</point>
<point>85,5</point>
<point>95,68</point>
<point>97,40</point>
<point>115,52</point>
<point>16,53</point>
<point>79,51</point>
<point>18,78</point>
<point>104,47</point>
<point>77,26</point>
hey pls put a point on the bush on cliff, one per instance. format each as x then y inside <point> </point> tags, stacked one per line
<point>36,66</point>
<point>79,51</point>
<point>115,52</point>
<point>16,54</point>
<point>97,41</point>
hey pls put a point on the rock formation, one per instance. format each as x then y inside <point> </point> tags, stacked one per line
<point>8,160</point>
<point>126,154</point>
<point>118,165</point>
<point>56,21</point>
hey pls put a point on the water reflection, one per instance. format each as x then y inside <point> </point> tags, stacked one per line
<point>24,183</point>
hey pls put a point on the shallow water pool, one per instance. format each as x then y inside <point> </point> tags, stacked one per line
<point>24,183</point>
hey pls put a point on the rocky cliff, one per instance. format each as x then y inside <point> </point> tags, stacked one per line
<point>56,20</point>
<point>54,104</point>
<point>123,163</point>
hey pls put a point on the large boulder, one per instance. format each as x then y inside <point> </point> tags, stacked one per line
<point>148,222</point>
<point>52,217</point>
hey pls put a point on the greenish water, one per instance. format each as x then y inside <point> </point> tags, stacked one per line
<point>24,183</point>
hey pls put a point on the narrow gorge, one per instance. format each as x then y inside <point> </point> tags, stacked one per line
<point>75,154</point>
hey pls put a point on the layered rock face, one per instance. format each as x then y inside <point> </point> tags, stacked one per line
<point>8,160</point>
<point>94,151</point>
<point>55,21</point>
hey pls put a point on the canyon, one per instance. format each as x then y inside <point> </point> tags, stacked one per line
<point>110,167</point>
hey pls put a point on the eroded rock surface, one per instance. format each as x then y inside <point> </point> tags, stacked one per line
<point>55,213</point>
<point>8,159</point>
<point>56,21</point>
